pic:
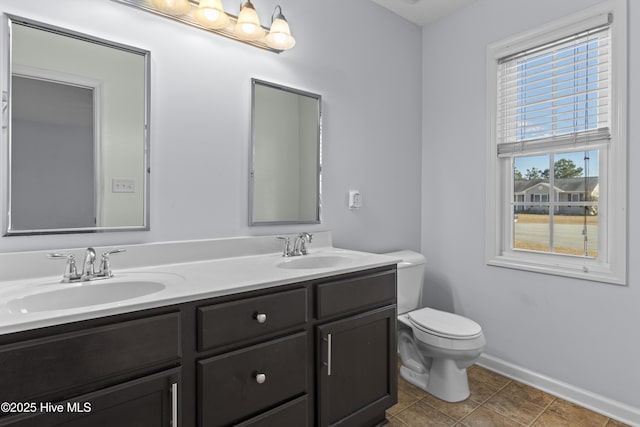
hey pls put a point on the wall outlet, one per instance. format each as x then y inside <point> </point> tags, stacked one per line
<point>355,199</point>
<point>123,185</point>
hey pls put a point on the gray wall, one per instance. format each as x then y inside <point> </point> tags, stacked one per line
<point>370,81</point>
<point>578,332</point>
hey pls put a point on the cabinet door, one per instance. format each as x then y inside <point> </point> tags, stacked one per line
<point>151,401</point>
<point>357,380</point>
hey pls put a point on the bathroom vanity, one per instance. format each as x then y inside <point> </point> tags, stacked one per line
<point>315,349</point>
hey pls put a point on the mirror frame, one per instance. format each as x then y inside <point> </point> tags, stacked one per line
<point>5,141</point>
<point>318,208</point>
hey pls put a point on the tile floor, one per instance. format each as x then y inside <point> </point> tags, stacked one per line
<point>495,401</point>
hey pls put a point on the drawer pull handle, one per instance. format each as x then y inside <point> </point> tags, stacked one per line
<point>261,317</point>
<point>261,378</point>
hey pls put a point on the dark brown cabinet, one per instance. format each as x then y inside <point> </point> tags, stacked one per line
<point>357,380</point>
<point>250,318</point>
<point>86,357</point>
<point>310,354</point>
<point>249,381</point>
<point>253,360</point>
<point>356,368</point>
<point>151,401</point>
<point>293,413</point>
<point>123,373</point>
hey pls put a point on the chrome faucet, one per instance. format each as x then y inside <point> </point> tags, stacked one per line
<point>89,272</point>
<point>88,268</point>
<point>299,245</point>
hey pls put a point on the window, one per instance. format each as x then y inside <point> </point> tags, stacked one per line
<point>556,199</point>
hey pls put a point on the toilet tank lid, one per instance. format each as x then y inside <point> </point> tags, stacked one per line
<point>408,258</point>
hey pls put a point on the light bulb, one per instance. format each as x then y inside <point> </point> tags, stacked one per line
<point>279,36</point>
<point>248,25</point>
<point>211,14</point>
<point>248,28</point>
<point>171,7</point>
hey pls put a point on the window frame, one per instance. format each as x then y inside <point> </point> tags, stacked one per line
<point>611,264</point>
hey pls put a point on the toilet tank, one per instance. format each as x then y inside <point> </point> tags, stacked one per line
<point>410,278</point>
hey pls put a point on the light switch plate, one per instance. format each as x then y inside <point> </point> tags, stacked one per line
<point>355,199</point>
<point>123,185</point>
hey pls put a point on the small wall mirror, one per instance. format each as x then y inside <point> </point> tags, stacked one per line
<point>75,145</point>
<point>285,155</point>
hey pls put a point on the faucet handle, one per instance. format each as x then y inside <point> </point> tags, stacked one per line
<point>304,238</point>
<point>287,245</point>
<point>112,251</point>
<point>105,263</point>
<point>66,255</point>
<point>70,269</point>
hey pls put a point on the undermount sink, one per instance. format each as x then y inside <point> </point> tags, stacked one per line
<point>83,295</point>
<point>316,261</point>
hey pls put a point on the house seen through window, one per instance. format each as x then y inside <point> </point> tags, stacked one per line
<point>562,218</point>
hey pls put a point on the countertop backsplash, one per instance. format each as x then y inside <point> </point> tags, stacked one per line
<point>25,265</point>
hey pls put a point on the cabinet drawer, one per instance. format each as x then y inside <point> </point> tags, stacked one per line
<point>229,391</point>
<point>42,367</point>
<point>236,321</point>
<point>351,295</point>
<point>292,413</point>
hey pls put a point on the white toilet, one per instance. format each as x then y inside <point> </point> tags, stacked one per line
<point>435,347</point>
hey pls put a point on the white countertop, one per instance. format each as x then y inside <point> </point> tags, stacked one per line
<point>184,281</point>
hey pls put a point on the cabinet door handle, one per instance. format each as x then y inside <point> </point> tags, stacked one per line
<point>328,354</point>
<point>261,378</point>
<point>261,317</point>
<point>174,405</point>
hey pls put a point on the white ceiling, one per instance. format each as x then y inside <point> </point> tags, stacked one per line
<point>423,12</point>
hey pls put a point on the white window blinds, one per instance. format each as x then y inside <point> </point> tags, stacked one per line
<point>556,95</point>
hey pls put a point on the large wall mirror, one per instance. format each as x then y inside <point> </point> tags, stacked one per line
<point>75,132</point>
<point>285,155</point>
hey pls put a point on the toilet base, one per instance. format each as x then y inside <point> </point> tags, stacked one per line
<point>444,380</point>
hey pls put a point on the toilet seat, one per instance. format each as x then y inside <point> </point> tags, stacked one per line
<point>443,324</point>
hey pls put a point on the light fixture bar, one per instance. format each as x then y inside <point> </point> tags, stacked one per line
<point>189,19</point>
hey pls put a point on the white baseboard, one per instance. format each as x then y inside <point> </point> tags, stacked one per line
<point>597,403</point>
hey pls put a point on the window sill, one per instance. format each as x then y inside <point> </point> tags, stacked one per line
<point>558,265</point>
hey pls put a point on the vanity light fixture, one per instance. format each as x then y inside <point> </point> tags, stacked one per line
<point>209,15</point>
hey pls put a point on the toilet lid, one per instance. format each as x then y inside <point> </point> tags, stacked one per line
<point>444,324</point>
